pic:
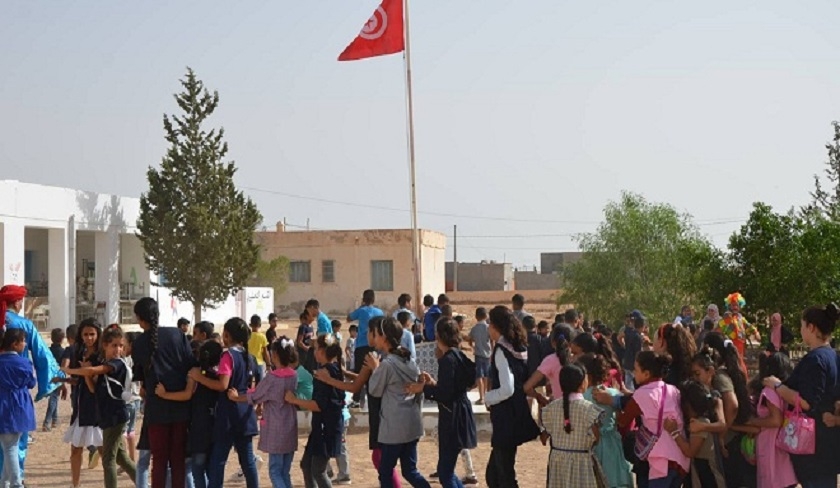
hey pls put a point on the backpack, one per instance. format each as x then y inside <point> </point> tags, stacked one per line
<point>126,395</point>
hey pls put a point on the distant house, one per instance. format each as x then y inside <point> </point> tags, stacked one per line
<point>336,266</point>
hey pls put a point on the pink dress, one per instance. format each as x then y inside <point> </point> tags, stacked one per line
<point>773,465</point>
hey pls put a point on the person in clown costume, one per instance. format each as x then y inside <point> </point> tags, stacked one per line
<point>735,327</point>
<point>11,304</point>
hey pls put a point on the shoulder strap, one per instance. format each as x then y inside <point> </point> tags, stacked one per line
<point>126,394</point>
<point>662,408</point>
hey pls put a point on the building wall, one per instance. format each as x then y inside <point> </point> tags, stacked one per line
<point>63,212</point>
<point>352,253</point>
<point>481,276</point>
<point>36,242</point>
<point>551,262</point>
<point>532,280</point>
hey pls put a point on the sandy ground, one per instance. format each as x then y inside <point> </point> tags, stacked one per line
<point>48,462</point>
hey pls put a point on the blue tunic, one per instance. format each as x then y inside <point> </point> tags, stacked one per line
<point>17,413</point>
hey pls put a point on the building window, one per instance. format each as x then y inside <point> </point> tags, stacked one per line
<point>300,272</point>
<point>328,271</point>
<point>382,275</point>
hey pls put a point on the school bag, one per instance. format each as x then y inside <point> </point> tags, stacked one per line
<point>126,394</point>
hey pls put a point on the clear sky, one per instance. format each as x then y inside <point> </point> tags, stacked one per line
<point>531,115</point>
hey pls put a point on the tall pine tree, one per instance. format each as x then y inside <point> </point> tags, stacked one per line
<point>196,227</point>
<point>828,201</point>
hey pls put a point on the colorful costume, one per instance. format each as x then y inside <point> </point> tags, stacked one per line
<point>45,366</point>
<point>734,326</point>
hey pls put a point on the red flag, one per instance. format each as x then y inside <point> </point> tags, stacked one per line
<point>382,33</point>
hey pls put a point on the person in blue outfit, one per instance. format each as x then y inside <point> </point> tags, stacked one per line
<point>432,316</point>
<point>17,412</point>
<point>46,368</point>
<point>313,308</point>
<point>363,315</point>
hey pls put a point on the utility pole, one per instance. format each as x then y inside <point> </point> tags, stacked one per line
<point>455,260</point>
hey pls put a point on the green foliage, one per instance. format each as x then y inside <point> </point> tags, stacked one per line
<point>272,274</point>
<point>786,262</point>
<point>643,256</point>
<point>196,227</point>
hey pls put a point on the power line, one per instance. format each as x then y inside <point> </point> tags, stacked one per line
<point>459,216</point>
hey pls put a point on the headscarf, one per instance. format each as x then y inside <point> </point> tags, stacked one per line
<point>9,294</point>
<point>776,335</point>
<point>716,317</point>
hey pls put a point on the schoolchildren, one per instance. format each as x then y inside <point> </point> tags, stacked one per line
<point>773,465</point>
<point>509,411</point>
<point>84,429</point>
<point>112,389</point>
<point>234,424</point>
<point>401,422</point>
<point>609,449</point>
<point>17,411</point>
<point>202,411</point>
<point>57,350</point>
<point>133,406</point>
<point>350,348</point>
<point>279,433</point>
<point>655,401</point>
<point>374,403</point>
<point>456,424</point>
<point>699,406</point>
<point>324,441</point>
<point>573,425</point>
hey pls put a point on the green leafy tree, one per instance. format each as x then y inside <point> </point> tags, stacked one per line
<point>196,227</point>
<point>272,274</point>
<point>786,262</point>
<point>644,255</point>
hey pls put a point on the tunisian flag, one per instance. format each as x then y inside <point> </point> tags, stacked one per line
<point>382,33</point>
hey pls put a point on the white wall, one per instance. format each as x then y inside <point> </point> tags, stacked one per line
<point>133,266</point>
<point>36,240</point>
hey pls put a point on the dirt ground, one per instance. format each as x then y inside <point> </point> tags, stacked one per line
<point>48,465</point>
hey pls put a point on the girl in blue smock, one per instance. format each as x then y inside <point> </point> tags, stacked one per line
<point>17,412</point>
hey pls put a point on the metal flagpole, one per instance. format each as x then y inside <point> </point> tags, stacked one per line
<point>415,233</point>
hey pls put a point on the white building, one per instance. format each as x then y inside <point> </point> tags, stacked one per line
<point>76,252</point>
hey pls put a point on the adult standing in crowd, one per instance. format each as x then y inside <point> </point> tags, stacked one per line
<point>162,355</point>
<point>814,382</point>
<point>46,368</point>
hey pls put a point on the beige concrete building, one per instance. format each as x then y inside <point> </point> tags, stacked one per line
<point>336,266</point>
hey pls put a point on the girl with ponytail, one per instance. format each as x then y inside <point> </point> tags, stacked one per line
<point>162,355</point>
<point>510,414</point>
<point>655,401</point>
<point>401,423</point>
<point>573,424</point>
<point>550,368</point>
<point>609,450</point>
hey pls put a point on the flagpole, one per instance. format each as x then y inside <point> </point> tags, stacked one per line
<point>415,233</point>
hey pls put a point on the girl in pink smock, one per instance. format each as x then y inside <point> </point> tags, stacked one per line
<point>668,464</point>
<point>773,466</point>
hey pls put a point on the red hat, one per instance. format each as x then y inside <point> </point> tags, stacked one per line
<point>9,294</point>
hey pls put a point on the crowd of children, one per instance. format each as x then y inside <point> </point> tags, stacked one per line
<point>680,411</point>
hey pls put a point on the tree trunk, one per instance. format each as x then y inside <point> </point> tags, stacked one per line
<point>196,312</point>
